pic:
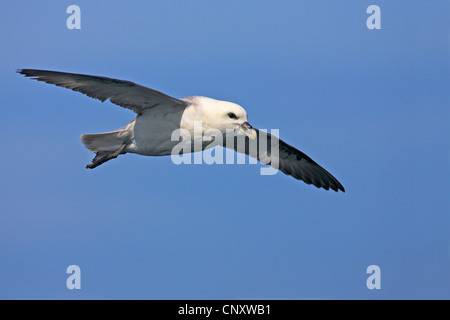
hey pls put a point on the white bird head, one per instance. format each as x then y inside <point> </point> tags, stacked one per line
<point>224,115</point>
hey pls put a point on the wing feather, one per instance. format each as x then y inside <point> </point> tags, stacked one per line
<point>291,161</point>
<point>124,93</point>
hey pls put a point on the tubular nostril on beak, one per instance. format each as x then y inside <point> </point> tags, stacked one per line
<point>246,125</point>
<point>248,130</point>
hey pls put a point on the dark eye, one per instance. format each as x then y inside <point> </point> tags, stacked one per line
<point>232,115</point>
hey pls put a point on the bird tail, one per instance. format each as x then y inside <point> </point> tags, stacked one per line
<point>108,145</point>
<point>103,142</point>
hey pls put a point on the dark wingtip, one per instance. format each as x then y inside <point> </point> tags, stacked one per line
<point>337,188</point>
<point>25,72</point>
<point>29,72</point>
<point>333,184</point>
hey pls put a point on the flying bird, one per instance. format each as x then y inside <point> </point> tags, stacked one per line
<point>159,115</point>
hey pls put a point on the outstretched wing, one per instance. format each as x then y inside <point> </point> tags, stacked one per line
<point>126,94</point>
<point>290,161</point>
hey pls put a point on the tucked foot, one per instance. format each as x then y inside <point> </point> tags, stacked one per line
<point>104,156</point>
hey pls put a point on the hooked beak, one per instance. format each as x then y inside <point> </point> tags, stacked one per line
<point>248,130</point>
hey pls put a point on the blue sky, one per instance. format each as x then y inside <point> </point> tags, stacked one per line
<point>371,106</point>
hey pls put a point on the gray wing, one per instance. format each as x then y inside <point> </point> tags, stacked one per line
<point>126,94</point>
<point>291,161</point>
